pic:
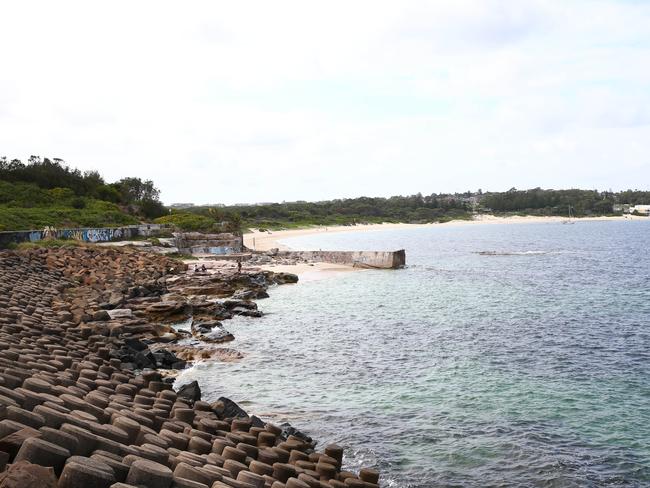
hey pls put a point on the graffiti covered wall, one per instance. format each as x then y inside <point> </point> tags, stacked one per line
<point>101,234</point>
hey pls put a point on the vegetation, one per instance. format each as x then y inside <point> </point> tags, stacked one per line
<point>557,202</point>
<point>48,243</point>
<point>45,192</point>
<point>415,209</point>
<point>203,219</point>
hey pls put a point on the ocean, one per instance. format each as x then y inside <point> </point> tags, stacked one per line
<point>502,355</point>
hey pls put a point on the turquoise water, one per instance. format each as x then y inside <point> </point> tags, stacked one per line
<point>526,366</point>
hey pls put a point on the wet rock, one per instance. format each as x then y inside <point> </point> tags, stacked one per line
<point>240,304</point>
<point>190,391</point>
<point>289,430</point>
<point>231,409</point>
<point>205,327</point>
<point>145,359</point>
<point>167,360</point>
<point>283,278</point>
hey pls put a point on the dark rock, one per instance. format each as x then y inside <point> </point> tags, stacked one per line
<point>135,344</point>
<point>231,409</point>
<point>101,315</point>
<point>288,429</point>
<point>245,312</point>
<point>166,359</point>
<point>145,359</point>
<point>190,391</point>
<point>245,304</point>
<point>257,422</point>
<point>205,327</point>
<point>282,278</point>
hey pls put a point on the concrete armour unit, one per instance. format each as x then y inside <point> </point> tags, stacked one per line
<point>77,475</point>
<point>38,451</point>
<point>150,474</point>
<point>68,404</point>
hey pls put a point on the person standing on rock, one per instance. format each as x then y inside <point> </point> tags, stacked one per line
<point>239,266</point>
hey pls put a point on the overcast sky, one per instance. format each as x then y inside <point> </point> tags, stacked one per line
<point>273,100</point>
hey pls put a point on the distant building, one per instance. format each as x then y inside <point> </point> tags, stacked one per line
<point>181,205</point>
<point>621,208</point>
<point>640,209</point>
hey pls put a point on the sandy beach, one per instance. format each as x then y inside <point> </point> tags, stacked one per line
<point>263,241</point>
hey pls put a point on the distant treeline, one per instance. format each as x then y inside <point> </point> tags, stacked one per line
<point>415,208</point>
<point>46,192</point>
<point>557,202</point>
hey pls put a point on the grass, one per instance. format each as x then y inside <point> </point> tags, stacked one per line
<point>48,243</point>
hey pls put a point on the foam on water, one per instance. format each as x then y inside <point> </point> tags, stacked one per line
<point>463,369</point>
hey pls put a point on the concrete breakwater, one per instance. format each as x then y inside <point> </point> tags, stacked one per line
<point>83,401</point>
<point>359,259</point>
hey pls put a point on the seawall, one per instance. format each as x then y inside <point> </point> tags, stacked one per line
<point>358,259</point>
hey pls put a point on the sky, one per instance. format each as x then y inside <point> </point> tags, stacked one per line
<point>260,101</point>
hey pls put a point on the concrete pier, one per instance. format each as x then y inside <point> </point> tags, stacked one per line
<point>358,259</point>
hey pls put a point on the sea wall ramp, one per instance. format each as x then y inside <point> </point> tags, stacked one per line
<point>196,243</point>
<point>358,259</point>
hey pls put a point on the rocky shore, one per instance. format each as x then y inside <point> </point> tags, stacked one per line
<point>88,336</point>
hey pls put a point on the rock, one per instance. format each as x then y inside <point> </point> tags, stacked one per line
<point>241,304</point>
<point>190,391</point>
<point>27,475</point>
<point>288,429</point>
<point>135,344</point>
<point>120,313</point>
<point>145,359</point>
<point>246,312</point>
<point>283,278</point>
<point>231,409</point>
<point>167,360</point>
<point>255,294</point>
<point>205,327</point>
<point>101,315</point>
<point>12,442</point>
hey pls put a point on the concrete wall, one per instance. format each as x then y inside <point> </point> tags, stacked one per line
<point>99,234</point>
<point>198,243</point>
<point>358,259</point>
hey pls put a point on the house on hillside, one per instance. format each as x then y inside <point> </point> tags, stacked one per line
<point>640,209</point>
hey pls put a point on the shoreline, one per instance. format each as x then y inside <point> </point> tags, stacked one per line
<point>265,241</point>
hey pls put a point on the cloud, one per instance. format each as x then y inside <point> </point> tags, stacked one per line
<point>286,100</point>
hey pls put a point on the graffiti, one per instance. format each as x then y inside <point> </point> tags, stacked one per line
<point>83,235</point>
<point>222,250</point>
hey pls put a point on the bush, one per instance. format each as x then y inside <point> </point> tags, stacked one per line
<point>189,222</point>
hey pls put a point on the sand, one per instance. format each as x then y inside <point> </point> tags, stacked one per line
<point>263,241</point>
